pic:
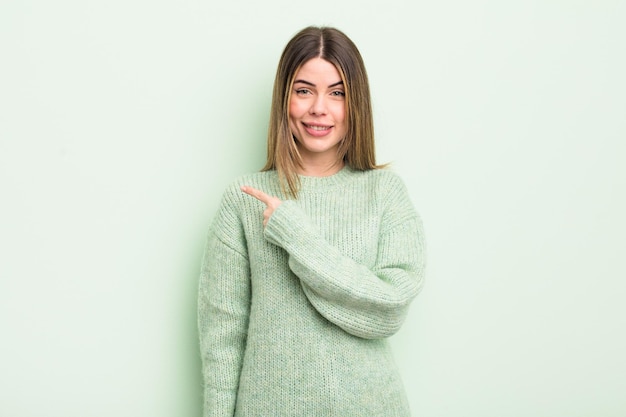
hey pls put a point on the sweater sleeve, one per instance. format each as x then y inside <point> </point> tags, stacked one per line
<point>223,310</point>
<point>366,302</point>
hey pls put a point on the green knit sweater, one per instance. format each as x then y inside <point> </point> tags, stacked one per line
<point>293,318</point>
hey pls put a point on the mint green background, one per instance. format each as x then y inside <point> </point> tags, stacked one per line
<point>122,121</point>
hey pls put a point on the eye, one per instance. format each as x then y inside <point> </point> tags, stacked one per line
<point>338,93</point>
<point>302,91</point>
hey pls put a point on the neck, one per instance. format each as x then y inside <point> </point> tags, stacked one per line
<point>321,168</point>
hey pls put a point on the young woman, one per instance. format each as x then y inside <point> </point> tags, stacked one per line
<point>312,263</point>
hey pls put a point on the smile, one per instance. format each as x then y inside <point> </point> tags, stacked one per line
<point>318,128</point>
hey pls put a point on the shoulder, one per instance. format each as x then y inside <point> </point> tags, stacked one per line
<point>237,208</point>
<point>392,195</point>
<point>384,181</point>
<point>387,175</point>
<point>266,181</point>
<point>234,202</point>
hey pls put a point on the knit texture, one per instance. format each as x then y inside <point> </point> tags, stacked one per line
<point>293,318</point>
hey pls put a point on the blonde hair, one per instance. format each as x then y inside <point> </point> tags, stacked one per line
<point>357,148</point>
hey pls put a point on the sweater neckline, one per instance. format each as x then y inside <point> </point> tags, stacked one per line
<point>311,183</point>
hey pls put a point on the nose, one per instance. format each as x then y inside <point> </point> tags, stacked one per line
<point>318,106</point>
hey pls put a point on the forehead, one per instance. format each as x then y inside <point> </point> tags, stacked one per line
<point>318,69</point>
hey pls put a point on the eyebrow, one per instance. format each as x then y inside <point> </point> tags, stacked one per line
<point>313,85</point>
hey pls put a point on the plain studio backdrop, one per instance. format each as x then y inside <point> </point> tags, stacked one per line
<point>121,122</point>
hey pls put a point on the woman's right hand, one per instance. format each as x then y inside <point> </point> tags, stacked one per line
<point>270,202</point>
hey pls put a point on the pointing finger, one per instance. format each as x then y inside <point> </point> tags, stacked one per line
<point>258,194</point>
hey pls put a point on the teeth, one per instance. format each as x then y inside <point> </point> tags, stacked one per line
<point>319,127</point>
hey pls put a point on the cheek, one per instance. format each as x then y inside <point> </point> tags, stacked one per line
<point>296,109</point>
<point>292,110</point>
<point>340,113</point>
<point>340,119</point>
<point>293,116</point>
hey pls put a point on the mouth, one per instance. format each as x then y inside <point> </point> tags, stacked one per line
<point>317,127</point>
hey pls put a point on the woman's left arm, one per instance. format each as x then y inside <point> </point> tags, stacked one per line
<point>366,302</point>
<point>369,302</point>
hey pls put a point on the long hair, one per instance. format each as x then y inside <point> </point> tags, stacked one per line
<point>357,148</point>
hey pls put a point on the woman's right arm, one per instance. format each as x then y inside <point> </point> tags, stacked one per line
<point>223,310</point>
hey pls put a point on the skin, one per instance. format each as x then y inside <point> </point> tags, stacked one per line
<point>317,116</point>
<point>271,202</point>
<point>317,121</point>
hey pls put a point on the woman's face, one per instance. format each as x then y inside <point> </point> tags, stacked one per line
<point>317,111</point>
